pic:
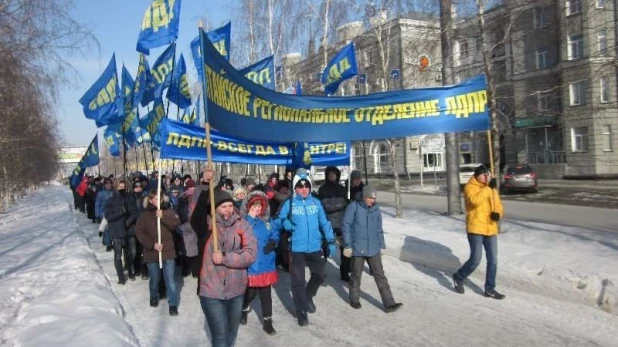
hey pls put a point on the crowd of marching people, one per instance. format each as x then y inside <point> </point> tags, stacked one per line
<point>261,230</point>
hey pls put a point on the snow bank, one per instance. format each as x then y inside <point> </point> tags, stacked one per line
<point>573,264</point>
<point>55,292</point>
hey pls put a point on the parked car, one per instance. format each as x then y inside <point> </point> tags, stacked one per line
<point>466,171</point>
<point>519,177</point>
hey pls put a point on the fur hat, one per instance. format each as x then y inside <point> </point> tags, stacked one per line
<point>221,196</point>
<point>251,198</point>
<point>238,191</point>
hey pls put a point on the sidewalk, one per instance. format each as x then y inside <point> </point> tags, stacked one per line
<point>580,184</point>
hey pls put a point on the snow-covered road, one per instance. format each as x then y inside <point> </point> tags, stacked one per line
<point>60,290</point>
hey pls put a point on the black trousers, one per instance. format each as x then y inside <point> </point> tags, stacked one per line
<point>266,300</point>
<point>117,243</point>
<point>129,254</point>
<point>344,268</point>
<point>375,263</point>
<point>301,290</point>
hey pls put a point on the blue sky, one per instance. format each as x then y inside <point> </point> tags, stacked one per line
<point>115,24</point>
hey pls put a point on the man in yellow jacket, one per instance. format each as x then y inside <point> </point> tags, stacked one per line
<point>483,211</point>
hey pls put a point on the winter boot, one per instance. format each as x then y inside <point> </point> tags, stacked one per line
<point>122,280</point>
<point>267,326</point>
<point>310,305</point>
<point>154,302</point>
<point>355,305</point>
<point>459,287</point>
<point>109,249</point>
<point>244,314</point>
<point>173,311</point>
<point>494,295</point>
<point>393,308</point>
<point>302,319</point>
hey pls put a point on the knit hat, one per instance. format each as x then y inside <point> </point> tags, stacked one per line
<point>369,192</point>
<point>249,181</point>
<point>189,183</point>
<point>221,196</point>
<point>355,175</point>
<point>137,184</point>
<point>480,170</point>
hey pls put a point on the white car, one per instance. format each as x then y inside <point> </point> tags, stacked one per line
<point>466,171</point>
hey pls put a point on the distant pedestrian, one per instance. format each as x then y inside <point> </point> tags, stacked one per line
<point>483,212</point>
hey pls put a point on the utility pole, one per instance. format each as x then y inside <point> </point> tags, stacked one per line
<point>450,139</point>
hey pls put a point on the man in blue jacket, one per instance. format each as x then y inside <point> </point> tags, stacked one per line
<point>363,240</point>
<point>304,218</point>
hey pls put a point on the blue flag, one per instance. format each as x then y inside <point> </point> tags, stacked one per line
<point>113,139</point>
<point>128,86</point>
<point>159,26</point>
<point>152,122</point>
<point>141,80</point>
<point>299,88</point>
<point>179,92</point>
<point>90,158</point>
<point>342,67</point>
<point>102,102</point>
<point>302,156</point>
<point>160,75</point>
<point>220,38</point>
<point>262,72</point>
<point>140,134</point>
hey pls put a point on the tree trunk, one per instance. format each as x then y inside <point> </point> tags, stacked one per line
<point>398,204</point>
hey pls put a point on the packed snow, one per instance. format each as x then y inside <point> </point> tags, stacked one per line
<point>60,289</point>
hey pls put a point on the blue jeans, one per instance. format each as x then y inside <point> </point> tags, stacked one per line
<point>223,318</point>
<point>170,282</point>
<point>477,242</point>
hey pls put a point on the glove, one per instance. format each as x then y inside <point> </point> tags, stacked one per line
<point>270,246</point>
<point>347,252</point>
<point>100,234</point>
<point>492,183</point>
<point>99,220</point>
<point>495,216</point>
<point>288,225</point>
<point>332,249</point>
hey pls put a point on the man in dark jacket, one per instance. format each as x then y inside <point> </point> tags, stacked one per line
<point>356,189</point>
<point>334,200</point>
<point>199,209</point>
<point>134,208</point>
<point>363,240</point>
<point>115,213</point>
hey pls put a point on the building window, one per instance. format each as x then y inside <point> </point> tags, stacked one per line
<point>600,3</point>
<point>604,89</point>
<point>579,139</point>
<point>382,158</point>
<point>573,7</point>
<point>541,17</point>
<point>432,161</point>
<point>541,59</point>
<point>576,46</point>
<point>464,49</point>
<point>607,138</point>
<point>544,102</point>
<point>359,158</point>
<point>577,93</point>
<point>602,39</point>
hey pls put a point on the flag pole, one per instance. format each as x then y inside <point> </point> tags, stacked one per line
<point>211,191</point>
<point>159,208</point>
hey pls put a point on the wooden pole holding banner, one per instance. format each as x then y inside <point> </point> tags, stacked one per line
<point>491,153</point>
<point>158,209</point>
<point>209,165</point>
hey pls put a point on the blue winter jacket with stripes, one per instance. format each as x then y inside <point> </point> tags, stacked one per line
<point>309,218</point>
